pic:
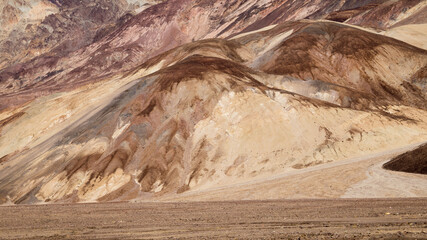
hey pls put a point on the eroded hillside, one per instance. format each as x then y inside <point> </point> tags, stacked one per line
<point>189,96</point>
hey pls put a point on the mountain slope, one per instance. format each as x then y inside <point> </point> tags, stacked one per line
<point>144,36</point>
<point>36,27</point>
<point>211,113</point>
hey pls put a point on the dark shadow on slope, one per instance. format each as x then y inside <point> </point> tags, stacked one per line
<point>412,162</point>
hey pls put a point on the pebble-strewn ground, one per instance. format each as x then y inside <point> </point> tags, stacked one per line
<point>212,97</point>
<point>290,219</point>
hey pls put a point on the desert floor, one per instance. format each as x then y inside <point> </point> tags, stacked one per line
<point>280,219</point>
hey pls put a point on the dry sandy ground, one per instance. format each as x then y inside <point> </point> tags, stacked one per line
<point>361,177</point>
<point>284,219</point>
<point>414,34</point>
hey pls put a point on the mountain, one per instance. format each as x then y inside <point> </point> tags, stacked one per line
<point>36,27</point>
<point>189,96</point>
<point>149,34</point>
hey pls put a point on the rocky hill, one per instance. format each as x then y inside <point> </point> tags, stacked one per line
<point>189,96</point>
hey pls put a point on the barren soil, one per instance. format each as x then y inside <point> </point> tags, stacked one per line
<point>284,219</point>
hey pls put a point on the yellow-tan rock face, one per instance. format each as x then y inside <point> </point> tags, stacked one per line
<point>243,112</point>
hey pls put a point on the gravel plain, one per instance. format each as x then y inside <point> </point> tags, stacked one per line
<point>281,219</point>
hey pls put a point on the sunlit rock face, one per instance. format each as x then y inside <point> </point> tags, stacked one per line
<point>151,100</point>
